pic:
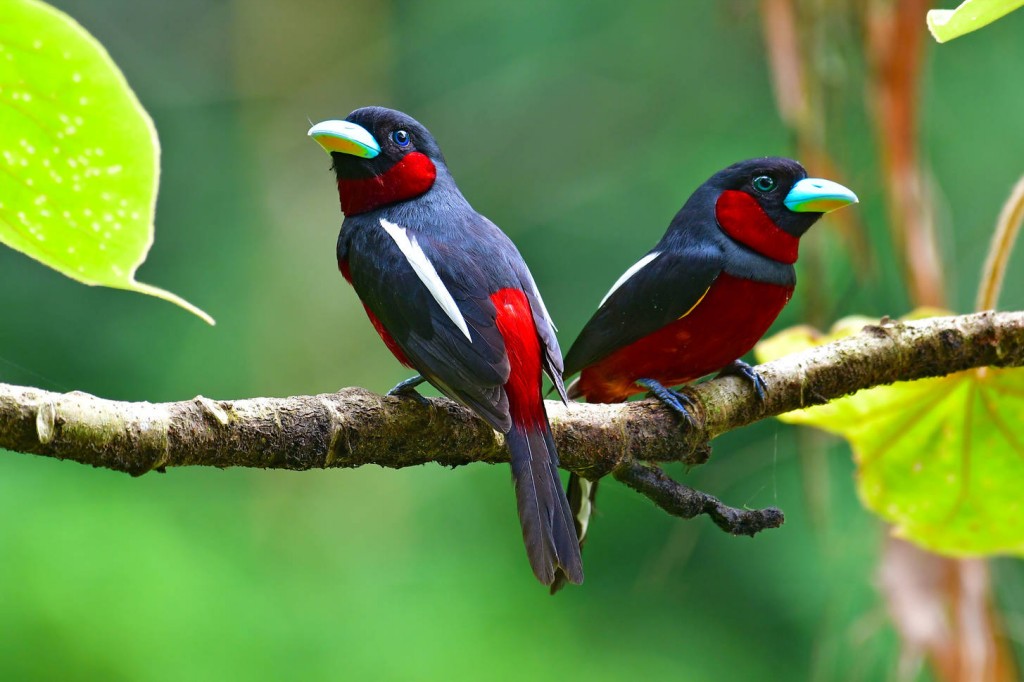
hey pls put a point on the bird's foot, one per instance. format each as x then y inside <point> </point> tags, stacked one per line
<point>738,368</point>
<point>407,389</point>
<point>677,401</point>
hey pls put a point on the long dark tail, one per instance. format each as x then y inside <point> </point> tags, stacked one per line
<point>548,529</point>
<point>582,494</point>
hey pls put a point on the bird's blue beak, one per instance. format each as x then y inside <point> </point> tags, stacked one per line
<point>814,195</point>
<point>345,137</point>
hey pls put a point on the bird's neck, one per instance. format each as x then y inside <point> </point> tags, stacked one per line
<point>407,179</point>
<point>742,218</point>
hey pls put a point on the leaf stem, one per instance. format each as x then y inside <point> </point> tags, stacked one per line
<point>1007,228</point>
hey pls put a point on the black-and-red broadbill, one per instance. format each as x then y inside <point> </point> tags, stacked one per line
<point>703,296</point>
<point>452,298</point>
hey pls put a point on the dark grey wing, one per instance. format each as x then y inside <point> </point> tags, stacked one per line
<point>553,364</point>
<point>664,288</point>
<point>471,370</point>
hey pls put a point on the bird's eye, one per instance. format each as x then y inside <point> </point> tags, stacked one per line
<point>764,183</point>
<point>401,138</point>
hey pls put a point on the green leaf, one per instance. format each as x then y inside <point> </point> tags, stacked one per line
<point>79,156</point>
<point>946,24</point>
<point>939,459</point>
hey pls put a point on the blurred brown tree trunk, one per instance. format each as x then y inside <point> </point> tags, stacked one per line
<point>941,607</point>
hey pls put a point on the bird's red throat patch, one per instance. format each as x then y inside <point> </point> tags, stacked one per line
<point>409,178</point>
<point>743,219</point>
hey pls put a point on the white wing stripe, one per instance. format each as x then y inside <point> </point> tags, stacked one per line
<point>637,267</point>
<point>424,269</point>
<point>544,308</point>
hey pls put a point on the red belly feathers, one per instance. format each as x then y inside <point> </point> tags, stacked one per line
<point>733,315</point>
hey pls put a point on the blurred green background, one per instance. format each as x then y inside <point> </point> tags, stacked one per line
<point>580,130</point>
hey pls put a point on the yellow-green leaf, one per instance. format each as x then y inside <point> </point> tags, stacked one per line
<point>946,24</point>
<point>79,156</point>
<point>942,460</point>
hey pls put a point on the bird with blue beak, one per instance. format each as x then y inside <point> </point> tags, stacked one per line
<point>698,301</point>
<point>452,298</point>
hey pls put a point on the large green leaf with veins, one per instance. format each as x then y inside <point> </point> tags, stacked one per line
<point>79,156</point>
<point>942,460</point>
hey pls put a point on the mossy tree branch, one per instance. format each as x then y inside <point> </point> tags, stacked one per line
<point>354,427</point>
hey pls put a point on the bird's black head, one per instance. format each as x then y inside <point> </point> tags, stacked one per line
<point>371,140</point>
<point>782,189</point>
<point>381,156</point>
<point>767,204</point>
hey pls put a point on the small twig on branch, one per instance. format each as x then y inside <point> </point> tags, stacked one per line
<point>354,427</point>
<point>685,502</point>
